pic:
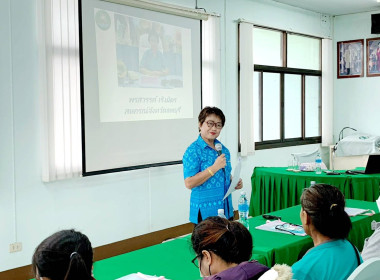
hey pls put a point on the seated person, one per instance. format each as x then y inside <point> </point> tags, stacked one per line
<point>223,249</point>
<point>324,219</point>
<point>153,62</point>
<point>371,247</point>
<point>66,254</point>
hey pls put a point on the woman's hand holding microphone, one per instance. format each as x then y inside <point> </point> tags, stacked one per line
<point>219,163</point>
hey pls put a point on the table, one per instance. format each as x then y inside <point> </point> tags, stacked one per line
<point>284,248</point>
<point>275,188</point>
<point>172,259</point>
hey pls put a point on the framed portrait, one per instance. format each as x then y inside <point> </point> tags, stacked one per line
<point>373,57</point>
<point>350,59</point>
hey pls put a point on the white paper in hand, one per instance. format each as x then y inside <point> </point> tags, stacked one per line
<point>235,179</point>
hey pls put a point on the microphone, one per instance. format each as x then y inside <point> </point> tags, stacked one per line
<point>218,148</point>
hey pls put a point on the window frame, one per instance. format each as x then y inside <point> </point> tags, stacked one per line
<point>286,142</point>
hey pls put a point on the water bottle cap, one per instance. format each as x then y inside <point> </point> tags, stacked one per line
<point>220,211</point>
<point>312,183</point>
<point>243,193</point>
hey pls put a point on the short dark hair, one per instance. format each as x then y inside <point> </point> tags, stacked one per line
<point>230,240</point>
<point>325,206</point>
<point>207,111</point>
<point>65,255</point>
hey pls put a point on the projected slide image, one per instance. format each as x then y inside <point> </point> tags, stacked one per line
<point>149,53</point>
<point>144,67</point>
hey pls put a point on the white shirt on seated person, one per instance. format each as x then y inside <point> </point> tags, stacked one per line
<point>371,248</point>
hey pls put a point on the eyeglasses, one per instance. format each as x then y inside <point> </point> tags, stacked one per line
<point>195,260</point>
<point>218,125</point>
<point>290,228</point>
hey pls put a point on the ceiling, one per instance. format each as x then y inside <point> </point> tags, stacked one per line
<point>335,7</point>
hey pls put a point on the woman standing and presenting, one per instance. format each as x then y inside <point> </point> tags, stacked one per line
<point>208,174</point>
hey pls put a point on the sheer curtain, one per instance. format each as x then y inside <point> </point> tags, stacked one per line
<point>211,62</point>
<point>60,84</point>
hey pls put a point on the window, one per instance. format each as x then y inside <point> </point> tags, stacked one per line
<point>286,88</point>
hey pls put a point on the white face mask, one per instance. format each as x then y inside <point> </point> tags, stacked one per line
<point>200,272</point>
<point>200,265</point>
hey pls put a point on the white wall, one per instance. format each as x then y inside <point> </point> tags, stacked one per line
<point>356,100</point>
<point>110,207</point>
<point>6,143</point>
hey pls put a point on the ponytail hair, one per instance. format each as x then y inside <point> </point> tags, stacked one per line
<point>325,206</point>
<point>65,255</point>
<point>230,240</point>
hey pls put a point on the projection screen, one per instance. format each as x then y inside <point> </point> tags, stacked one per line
<point>140,86</point>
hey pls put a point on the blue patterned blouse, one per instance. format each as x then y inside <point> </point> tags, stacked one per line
<point>208,197</point>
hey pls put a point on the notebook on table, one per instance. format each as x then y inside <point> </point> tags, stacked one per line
<point>372,167</point>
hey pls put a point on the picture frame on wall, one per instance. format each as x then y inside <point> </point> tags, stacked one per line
<point>350,59</point>
<point>373,57</point>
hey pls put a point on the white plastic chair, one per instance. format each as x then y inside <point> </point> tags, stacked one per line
<point>368,270</point>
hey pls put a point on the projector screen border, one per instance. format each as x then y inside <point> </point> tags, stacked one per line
<point>85,172</point>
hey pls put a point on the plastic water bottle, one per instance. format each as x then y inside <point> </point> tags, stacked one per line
<point>318,164</point>
<point>243,208</point>
<point>312,183</point>
<point>221,213</point>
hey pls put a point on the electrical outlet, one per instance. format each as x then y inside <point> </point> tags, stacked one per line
<point>15,247</point>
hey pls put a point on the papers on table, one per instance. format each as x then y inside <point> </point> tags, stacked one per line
<point>352,212</point>
<point>235,179</point>
<point>283,227</point>
<point>140,276</point>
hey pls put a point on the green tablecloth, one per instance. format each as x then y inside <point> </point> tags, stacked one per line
<point>285,248</point>
<point>275,188</point>
<point>173,258</point>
